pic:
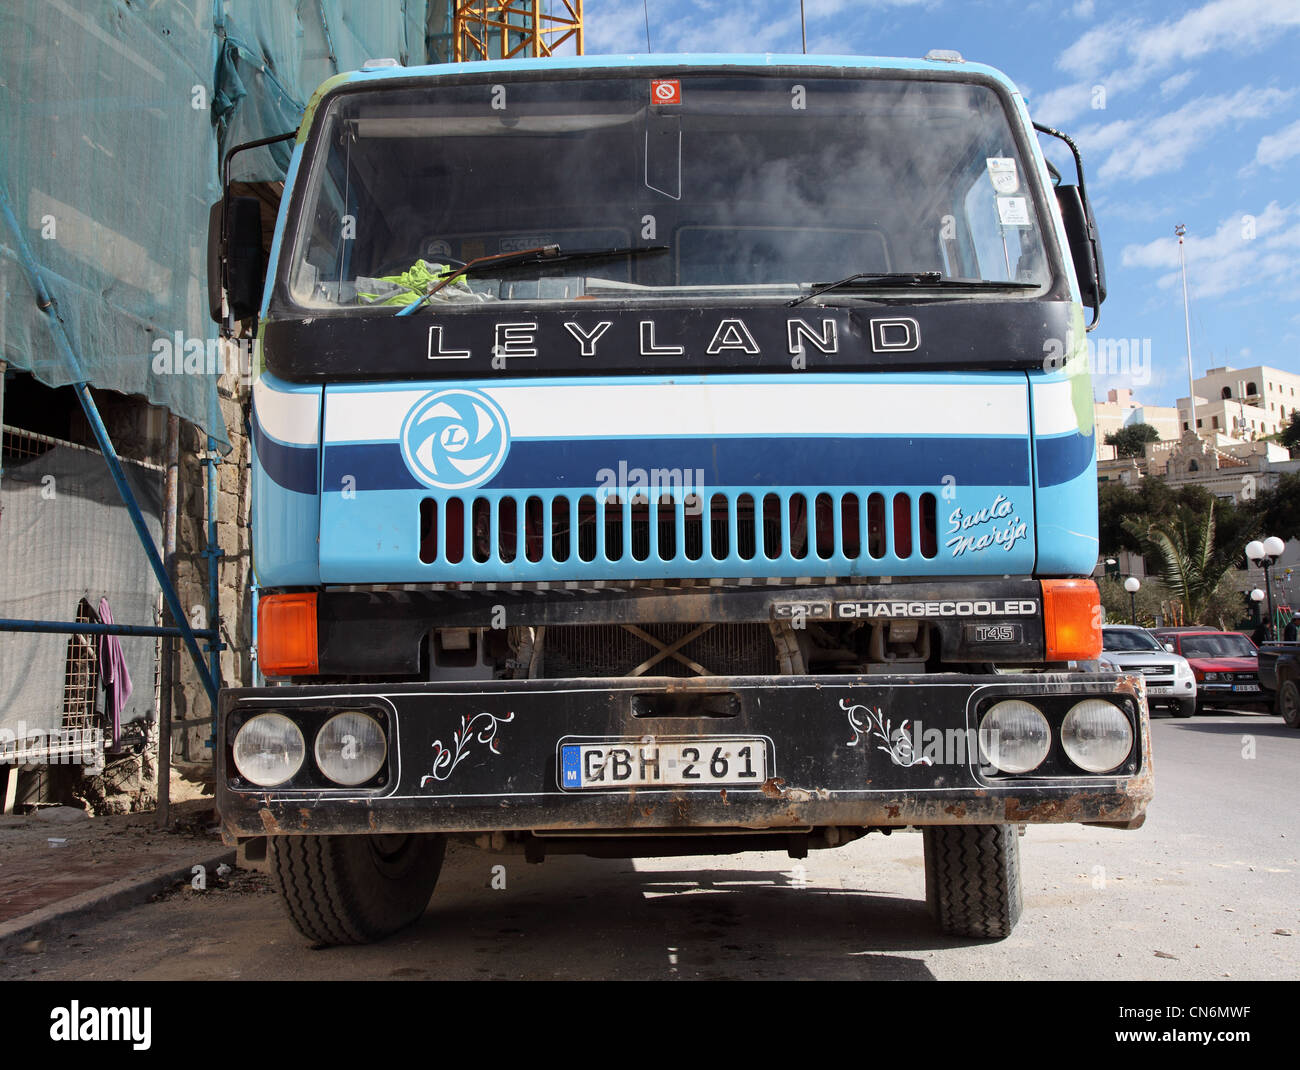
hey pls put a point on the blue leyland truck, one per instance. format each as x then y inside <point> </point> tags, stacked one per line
<point>668,455</point>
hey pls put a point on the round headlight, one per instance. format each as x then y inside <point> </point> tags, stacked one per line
<point>269,749</point>
<point>351,748</point>
<point>1014,736</point>
<point>1096,735</point>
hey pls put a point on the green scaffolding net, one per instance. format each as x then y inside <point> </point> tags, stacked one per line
<point>113,116</point>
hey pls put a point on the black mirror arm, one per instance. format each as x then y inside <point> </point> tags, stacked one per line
<point>228,327</point>
<point>1083,194</point>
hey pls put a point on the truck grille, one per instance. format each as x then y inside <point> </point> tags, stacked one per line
<point>823,534</point>
<point>620,650</point>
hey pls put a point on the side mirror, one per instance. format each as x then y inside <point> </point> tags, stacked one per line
<point>1169,647</point>
<point>1085,246</point>
<point>245,270</point>
<point>235,260</point>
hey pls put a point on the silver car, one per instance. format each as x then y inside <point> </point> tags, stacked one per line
<point>1169,679</point>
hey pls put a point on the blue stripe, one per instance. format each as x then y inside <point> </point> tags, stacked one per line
<point>725,462</point>
<point>292,467</point>
<point>1062,458</point>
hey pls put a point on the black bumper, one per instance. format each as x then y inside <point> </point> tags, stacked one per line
<point>861,751</point>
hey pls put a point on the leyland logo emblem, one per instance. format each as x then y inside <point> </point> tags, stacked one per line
<point>454,439</point>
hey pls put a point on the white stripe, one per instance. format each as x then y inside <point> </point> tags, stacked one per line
<point>673,409</point>
<point>1054,408</point>
<point>290,418</point>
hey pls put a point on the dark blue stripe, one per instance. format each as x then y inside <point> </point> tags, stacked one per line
<point>292,467</point>
<point>1063,458</point>
<point>726,462</point>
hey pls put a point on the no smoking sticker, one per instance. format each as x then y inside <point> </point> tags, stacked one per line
<point>666,91</point>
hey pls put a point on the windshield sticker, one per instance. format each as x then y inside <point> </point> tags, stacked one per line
<point>666,91</point>
<point>1013,211</point>
<point>1002,173</point>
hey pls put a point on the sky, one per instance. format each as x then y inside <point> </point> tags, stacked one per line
<point>1185,113</point>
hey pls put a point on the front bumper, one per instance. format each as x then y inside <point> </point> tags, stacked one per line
<point>859,751</point>
<point>1220,693</point>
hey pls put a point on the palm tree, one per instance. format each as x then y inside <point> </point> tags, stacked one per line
<point>1190,565</point>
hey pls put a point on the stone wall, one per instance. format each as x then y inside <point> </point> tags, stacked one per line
<point>190,702</point>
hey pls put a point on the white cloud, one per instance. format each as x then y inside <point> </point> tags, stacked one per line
<point>1083,9</point>
<point>724,26</point>
<point>614,26</point>
<point>1234,25</point>
<point>1227,260</point>
<point>1275,149</point>
<point>1060,105</point>
<point>1098,48</point>
<point>1126,53</point>
<point>1142,148</point>
<point>1175,84</point>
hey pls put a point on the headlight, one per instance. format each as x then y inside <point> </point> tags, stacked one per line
<point>351,748</point>
<point>269,749</point>
<point>1096,735</point>
<point>1014,736</point>
<point>1213,677</point>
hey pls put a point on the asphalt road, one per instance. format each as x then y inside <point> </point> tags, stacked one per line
<point>1209,888</point>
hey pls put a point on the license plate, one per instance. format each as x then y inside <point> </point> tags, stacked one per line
<point>701,761</point>
<point>1245,687</point>
<point>1160,690</point>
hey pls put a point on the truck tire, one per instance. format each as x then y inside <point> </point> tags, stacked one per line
<point>1288,703</point>
<point>972,879</point>
<point>354,889</point>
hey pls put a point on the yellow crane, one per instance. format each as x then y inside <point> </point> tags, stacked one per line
<point>502,29</point>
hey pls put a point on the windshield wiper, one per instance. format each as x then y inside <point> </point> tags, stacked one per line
<point>878,280</point>
<point>543,254</point>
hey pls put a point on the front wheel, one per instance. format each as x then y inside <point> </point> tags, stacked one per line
<point>354,889</point>
<point>1288,703</point>
<point>972,879</point>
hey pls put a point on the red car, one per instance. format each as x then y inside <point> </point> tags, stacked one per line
<point>1226,665</point>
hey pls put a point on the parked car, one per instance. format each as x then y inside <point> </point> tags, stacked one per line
<point>1279,675</point>
<point>1226,666</point>
<point>1170,682</point>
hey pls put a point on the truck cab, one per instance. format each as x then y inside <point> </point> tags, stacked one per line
<point>673,454</point>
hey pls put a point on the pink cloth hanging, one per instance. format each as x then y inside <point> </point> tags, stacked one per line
<point>112,667</point>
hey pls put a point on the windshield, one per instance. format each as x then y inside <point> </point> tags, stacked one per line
<point>1218,646</point>
<point>743,185</point>
<point>1128,641</point>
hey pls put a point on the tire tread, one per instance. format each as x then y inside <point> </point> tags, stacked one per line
<point>334,894</point>
<point>972,879</point>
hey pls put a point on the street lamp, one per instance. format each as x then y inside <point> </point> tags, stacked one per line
<point>1131,585</point>
<point>1265,555</point>
<point>1181,230</point>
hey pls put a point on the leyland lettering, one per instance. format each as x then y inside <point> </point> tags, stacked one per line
<point>646,460</point>
<point>730,335</point>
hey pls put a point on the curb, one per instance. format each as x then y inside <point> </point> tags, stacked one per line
<point>103,902</point>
